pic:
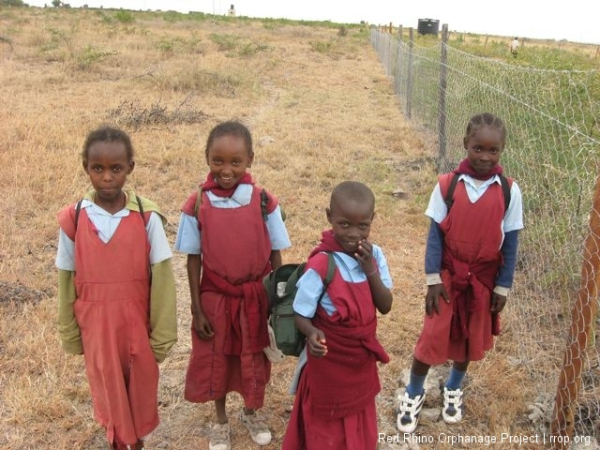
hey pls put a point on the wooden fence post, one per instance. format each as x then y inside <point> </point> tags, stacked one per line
<point>583,314</point>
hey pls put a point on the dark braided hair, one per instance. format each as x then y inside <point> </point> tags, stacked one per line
<point>230,128</point>
<point>483,119</point>
<point>107,134</point>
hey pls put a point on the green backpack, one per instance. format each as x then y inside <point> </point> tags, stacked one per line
<point>281,289</point>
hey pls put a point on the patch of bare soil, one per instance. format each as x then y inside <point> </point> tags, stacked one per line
<point>18,294</point>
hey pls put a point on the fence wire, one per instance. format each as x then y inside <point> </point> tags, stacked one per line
<point>552,150</point>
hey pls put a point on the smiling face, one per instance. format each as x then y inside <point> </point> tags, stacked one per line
<point>484,146</point>
<point>228,159</point>
<point>108,165</point>
<point>350,221</point>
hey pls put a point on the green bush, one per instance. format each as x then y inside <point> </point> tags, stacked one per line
<point>89,56</point>
<point>225,42</point>
<point>124,16</point>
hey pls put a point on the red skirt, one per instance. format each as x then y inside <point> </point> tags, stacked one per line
<point>211,374</point>
<point>435,346</point>
<point>305,432</point>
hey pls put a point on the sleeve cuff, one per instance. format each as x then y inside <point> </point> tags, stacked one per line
<point>73,347</point>
<point>501,290</point>
<point>433,278</point>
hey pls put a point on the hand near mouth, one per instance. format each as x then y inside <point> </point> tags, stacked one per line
<point>364,255</point>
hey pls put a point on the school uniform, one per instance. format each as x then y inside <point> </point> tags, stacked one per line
<point>110,311</point>
<point>235,242</point>
<point>335,406</point>
<point>471,261</point>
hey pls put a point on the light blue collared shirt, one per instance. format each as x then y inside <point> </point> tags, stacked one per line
<point>310,284</point>
<point>106,224</point>
<point>188,234</point>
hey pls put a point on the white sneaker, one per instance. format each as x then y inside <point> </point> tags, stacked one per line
<point>258,429</point>
<point>408,412</point>
<point>219,437</point>
<point>453,405</point>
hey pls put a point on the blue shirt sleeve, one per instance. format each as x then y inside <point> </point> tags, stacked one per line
<point>310,284</point>
<point>433,250</point>
<point>188,235</point>
<point>310,287</point>
<point>509,254</point>
<point>277,231</point>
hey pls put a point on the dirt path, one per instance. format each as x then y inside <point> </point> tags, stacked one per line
<point>369,141</point>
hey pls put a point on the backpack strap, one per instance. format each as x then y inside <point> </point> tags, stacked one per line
<point>506,186</point>
<point>449,197</point>
<point>264,201</point>
<point>77,211</point>
<point>198,202</point>
<point>319,267</point>
<point>330,274</point>
<point>139,202</point>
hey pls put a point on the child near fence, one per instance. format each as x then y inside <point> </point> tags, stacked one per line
<point>469,263</point>
<point>334,406</point>
<point>116,291</point>
<point>233,234</point>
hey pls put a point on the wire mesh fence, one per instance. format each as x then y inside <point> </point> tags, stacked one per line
<point>552,150</point>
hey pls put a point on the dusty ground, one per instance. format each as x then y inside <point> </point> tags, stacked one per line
<point>321,110</point>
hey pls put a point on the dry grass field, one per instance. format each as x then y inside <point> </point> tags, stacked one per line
<point>321,111</point>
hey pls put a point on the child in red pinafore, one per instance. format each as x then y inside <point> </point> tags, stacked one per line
<point>233,235</point>
<point>116,299</point>
<point>338,379</point>
<point>469,263</point>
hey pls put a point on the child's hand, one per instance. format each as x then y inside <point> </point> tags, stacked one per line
<point>316,344</point>
<point>498,302</point>
<point>202,327</point>
<point>364,255</point>
<point>434,292</point>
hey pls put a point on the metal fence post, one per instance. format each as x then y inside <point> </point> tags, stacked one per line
<point>442,139</point>
<point>409,73</point>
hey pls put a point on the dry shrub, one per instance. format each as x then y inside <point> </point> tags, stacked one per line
<point>133,115</point>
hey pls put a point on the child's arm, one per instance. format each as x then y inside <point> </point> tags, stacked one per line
<point>163,310</point>
<point>433,267</point>
<point>506,271</point>
<point>275,259</point>
<point>315,338</point>
<point>278,234</point>
<point>68,328</point>
<point>201,325</point>
<point>382,296</point>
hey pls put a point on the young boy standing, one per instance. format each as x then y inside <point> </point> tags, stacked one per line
<point>335,400</point>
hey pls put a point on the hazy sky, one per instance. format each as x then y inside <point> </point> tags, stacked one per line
<point>574,20</point>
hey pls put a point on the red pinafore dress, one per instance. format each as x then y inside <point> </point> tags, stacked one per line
<point>236,251</point>
<point>112,310</point>
<point>462,331</point>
